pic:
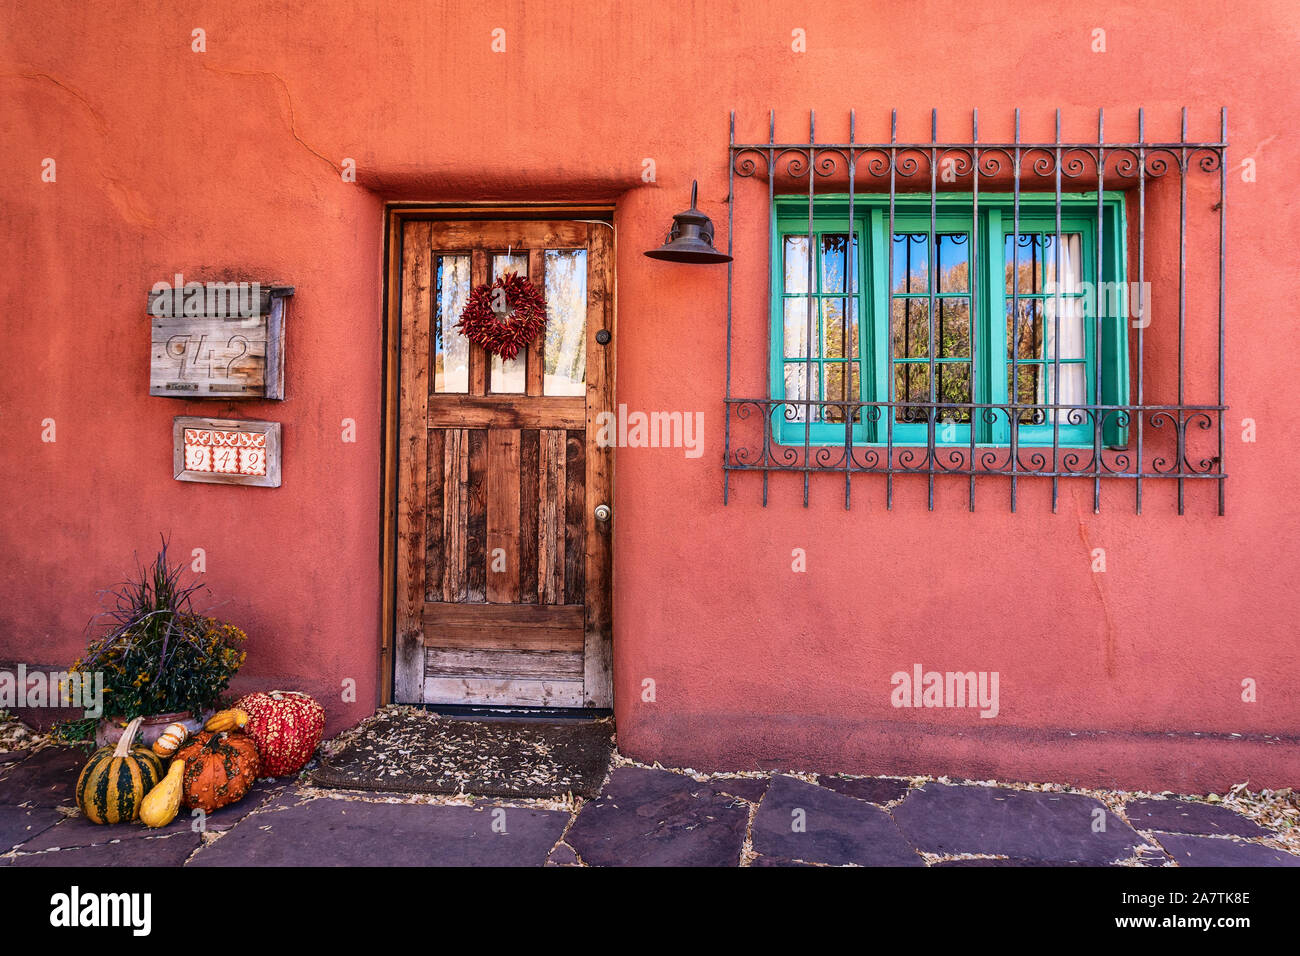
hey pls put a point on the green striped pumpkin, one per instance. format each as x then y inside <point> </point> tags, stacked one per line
<point>116,779</point>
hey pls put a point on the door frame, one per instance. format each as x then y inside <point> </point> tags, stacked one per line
<point>396,215</point>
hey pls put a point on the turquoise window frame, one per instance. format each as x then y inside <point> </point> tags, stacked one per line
<point>1106,338</point>
<point>828,219</point>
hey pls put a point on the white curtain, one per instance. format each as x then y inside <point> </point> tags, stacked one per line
<point>1074,387</point>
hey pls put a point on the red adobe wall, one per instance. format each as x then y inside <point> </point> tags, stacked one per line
<point>226,162</point>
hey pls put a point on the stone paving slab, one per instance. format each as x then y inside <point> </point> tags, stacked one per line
<point>747,788</point>
<point>78,831</point>
<point>1189,850</point>
<point>48,778</point>
<point>839,829</point>
<point>155,851</point>
<point>563,855</point>
<point>875,789</point>
<point>656,818</point>
<point>1181,816</point>
<point>18,825</point>
<point>1022,824</point>
<point>1008,862</point>
<point>776,861</point>
<point>330,832</point>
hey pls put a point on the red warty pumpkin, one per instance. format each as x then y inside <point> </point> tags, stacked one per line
<point>219,769</point>
<point>287,726</point>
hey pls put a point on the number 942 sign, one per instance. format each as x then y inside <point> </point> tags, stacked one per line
<point>226,451</point>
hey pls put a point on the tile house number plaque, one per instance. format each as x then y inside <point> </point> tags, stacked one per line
<point>218,340</point>
<point>226,451</point>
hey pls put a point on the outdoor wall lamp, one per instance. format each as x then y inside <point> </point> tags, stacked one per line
<point>691,238</point>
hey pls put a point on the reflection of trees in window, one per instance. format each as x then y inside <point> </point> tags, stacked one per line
<point>834,363</point>
<point>910,326</point>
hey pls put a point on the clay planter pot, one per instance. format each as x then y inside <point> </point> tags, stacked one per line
<point>109,730</point>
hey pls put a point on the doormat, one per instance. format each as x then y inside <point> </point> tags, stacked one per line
<point>408,750</point>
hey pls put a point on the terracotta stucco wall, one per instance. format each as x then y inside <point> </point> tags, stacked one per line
<point>226,162</point>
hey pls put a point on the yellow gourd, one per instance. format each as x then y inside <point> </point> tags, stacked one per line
<point>226,720</point>
<point>163,802</point>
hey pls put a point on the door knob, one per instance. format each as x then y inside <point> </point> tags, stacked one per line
<point>603,512</point>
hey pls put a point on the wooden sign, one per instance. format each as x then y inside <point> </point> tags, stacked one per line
<point>226,451</point>
<point>218,340</point>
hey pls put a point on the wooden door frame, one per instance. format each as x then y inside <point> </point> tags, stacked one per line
<point>396,216</point>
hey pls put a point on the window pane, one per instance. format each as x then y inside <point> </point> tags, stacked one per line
<point>1028,262</point>
<point>796,327</point>
<point>1027,336</point>
<point>952,384</point>
<point>911,328</point>
<point>911,263</point>
<point>952,338</point>
<point>840,383</point>
<point>565,349</point>
<point>508,374</point>
<point>954,262</point>
<point>796,382</point>
<point>838,265</point>
<point>1073,336</point>
<point>1030,392</point>
<point>1071,262</point>
<point>911,384</point>
<point>839,328</point>
<point>450,347</point>
<point>1074,391</point>
<point>796,264</point>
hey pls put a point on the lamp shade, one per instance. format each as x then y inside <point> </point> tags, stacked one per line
<point>690,239</point>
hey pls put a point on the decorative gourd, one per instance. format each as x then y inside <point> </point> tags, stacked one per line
<point>226,720</point>
<point>219,769</point>
<point>170,739</point>
<point>163,802</point>
<point>287,726</point>
<point>116,779</point>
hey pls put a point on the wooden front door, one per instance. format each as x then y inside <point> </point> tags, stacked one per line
<point>503,564</point>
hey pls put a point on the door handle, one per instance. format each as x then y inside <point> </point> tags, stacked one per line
<point>603,513</point>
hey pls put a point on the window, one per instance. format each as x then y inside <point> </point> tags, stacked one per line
<point>888,335</point>
<point>1039,306</point>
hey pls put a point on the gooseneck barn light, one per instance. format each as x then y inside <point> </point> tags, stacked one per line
<point>691,238</point>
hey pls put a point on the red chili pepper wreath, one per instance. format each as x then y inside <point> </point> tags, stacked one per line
<point>504,334</point>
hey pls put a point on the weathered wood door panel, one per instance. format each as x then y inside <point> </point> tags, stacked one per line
<point>503,569</point>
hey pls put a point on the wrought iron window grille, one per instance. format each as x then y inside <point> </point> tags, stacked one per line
<point>1169,439</point>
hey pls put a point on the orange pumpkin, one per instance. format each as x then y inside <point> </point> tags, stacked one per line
<point>219,769</point>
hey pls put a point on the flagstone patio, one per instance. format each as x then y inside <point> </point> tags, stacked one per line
<point>645,817</point>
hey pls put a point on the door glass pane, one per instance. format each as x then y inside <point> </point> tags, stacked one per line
<point>450,347</point>
<point>565,350</point>
<point>508,374</point>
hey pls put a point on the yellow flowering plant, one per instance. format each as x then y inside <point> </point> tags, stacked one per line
<point>158,654</point>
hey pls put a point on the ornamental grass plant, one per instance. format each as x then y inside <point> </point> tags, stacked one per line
<point>157,652</point>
